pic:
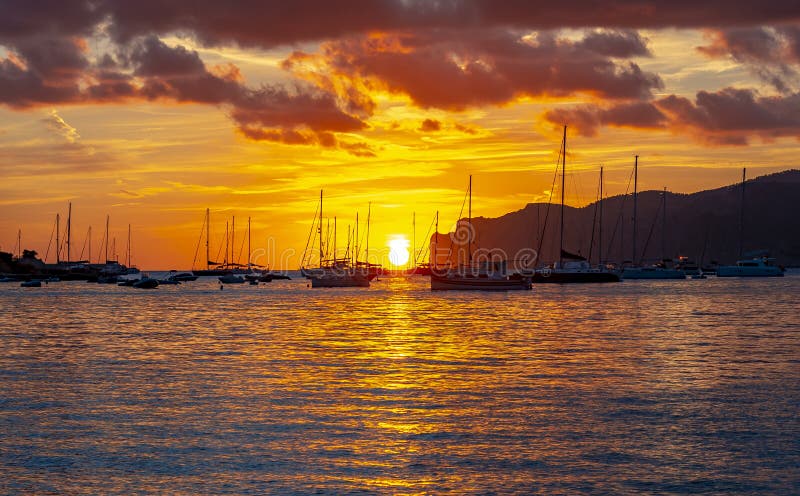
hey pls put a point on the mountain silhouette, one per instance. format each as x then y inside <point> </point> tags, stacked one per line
<point>704,224</point>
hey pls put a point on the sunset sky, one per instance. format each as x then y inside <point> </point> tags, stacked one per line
<point>153,111</point>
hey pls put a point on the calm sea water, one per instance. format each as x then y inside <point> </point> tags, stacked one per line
<point>634,388</point>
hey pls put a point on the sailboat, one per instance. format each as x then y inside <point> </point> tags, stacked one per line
<point>486,275</point>
<point>759,264</point>
<point>212,268</point>
<point>336,272</point>
<point>658,271</point>
<point>571,267</point>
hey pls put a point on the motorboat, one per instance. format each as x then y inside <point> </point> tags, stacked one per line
<point>755,267</point>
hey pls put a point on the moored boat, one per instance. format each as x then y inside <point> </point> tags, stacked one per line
<point>755,267</point>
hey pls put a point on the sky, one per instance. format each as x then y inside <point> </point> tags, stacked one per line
<point>151,112</point>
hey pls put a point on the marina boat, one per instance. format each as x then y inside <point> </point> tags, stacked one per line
<point>145,283</point>
<point>346,272</point>
<point>231,279</point>
<point>689,267</point>
<point>652,272</point>
<point>182,277</point>
<point>483,277</point>
<point>759,265</point>
<point>655,271</point>
<point>572,268</point>
<point>756,267</point>
<point>35,283</point>
<point>472,275</point>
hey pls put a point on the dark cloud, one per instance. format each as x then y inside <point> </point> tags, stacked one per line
<point>588,119</point>
<point>455,70</point>
<point>430,125</point>
<point>727,117</point>
<point>272,23</point>
<point>772,53</point>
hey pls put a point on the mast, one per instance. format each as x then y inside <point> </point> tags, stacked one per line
<point>435,253</point>
<point>233,231</point>
<point>227,224</point>
<point>563,185</point>
<point>321,253</point>
<point>128,250</point>
<point>664,225</point>
<point>741,215</point>
<point>69,233</point>
<point>469,232</point>
<point>58,242</point>
<point>90,244</point>
<point>107,221</point>
<point>334,239</point>
<point>208,236</point>
<point>366,249</point>
<point>600,230</point>
<point>635,184</point>
<point>355,242</point>
<point>414,237</point>
<point>248,244</point>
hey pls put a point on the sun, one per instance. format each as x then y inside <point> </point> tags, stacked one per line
<point>398,250</point>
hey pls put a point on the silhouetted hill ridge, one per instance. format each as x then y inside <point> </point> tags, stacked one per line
<point>709,218</point>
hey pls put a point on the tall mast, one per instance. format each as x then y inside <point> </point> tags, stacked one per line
<point>334,239</point>
<point>227,225</point>
<point>233,232</point>
<point>741,216</point>
<point>248,244</point>
<point>321,252</point>
<point>366,249</point>
<point>635,185</point>
<point>128,257</point>
<point>600,230</point>
<point>107,221</point>
<point>208,236</point>
<point>414,238</point>
<point>435,253</point>
<point>469,232</point>
<point>664,226</point>
<point>58,242</point>
<point>69,233</point>
<point>355,241</point>
<point>563,185</point>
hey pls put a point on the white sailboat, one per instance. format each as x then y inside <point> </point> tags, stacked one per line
<point>758,265</point>
<point>571,267</point>
<point>657,271</point>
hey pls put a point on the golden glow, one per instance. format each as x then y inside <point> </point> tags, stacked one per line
<point>398,250</point>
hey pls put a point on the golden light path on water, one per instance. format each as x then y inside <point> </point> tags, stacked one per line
<point>638,387</point>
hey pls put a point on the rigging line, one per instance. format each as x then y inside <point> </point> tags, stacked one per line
<point>197,248</point>
<point>310,234</point>
<point>650,234</point>
<point>594,224</point>
<point>460,213</point>
<point>427,246</point>
<point>47,253</point>
<point>85,240</point>
<point>549,202</point>
<point>619,217</point>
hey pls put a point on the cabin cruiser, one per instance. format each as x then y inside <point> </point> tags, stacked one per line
<point>755,267</point>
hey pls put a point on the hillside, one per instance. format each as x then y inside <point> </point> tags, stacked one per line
<point>709,218</point>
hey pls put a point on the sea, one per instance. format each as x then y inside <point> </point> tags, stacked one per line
<point>638,387</point>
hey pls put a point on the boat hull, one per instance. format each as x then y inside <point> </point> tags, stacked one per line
<point>567,277</point>
<point>732,271</point>
<point>339,281</point>
<point>652,273</point>
<point>444,283</point>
